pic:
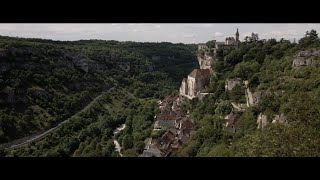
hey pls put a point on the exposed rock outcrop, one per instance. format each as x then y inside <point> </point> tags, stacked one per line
<point>307,58</point>
<point>206,61</point>
<point>280,119</point>
<point>231,83</point>
<point>262,121</point>
<point>255,98</point>
<point>83,63</point>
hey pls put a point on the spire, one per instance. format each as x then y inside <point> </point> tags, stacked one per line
<point>237,35</point>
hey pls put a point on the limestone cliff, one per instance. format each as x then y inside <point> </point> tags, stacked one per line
<point>206,61</point>
<point>231,83</point>
<point>62,58</point>
<point>307,58</point>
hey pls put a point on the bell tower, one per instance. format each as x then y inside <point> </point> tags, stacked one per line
<point>237,35</point>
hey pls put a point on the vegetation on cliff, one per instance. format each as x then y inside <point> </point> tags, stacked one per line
<point>268,66</point>
<point>45,82</point>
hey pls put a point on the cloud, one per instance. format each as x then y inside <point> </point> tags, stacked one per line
<point>185,33</point>
<point>188,35</point>
<point>288,34</point>
<point>218,34</point>
<point>207,25</point>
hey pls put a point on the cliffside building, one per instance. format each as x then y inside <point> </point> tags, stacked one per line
<point>197,80</point>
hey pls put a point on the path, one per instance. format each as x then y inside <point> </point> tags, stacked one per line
<point>34,137</point>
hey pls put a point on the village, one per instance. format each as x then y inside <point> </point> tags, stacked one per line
<point>177,124</point>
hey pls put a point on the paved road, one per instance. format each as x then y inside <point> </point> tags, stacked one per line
<point>26,140</point>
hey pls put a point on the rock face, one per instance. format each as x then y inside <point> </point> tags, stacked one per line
<point>280,119</point>
<point>231,83</point>
<point>255,98</point>
<point>307,58</point>
<point>206,62</point>
<point>262,121</point>
<point>80,62</point>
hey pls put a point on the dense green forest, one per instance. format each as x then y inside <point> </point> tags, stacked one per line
<point>44,82</point>
<point>268,66</point>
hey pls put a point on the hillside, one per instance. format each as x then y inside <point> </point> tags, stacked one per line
<point>279,80</point>
<point>44,82</point>
<point>259,98</point>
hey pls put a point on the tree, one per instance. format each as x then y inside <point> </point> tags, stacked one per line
<point>310,38</point>
<point>224,108</point>
<point>127,142</point>
<point>253,38</point>
<point>3,152</point>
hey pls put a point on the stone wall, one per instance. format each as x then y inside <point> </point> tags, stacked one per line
<point>184,87</point>
<point>191,86</point>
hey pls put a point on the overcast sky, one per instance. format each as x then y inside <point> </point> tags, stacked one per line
<point>176,33</point>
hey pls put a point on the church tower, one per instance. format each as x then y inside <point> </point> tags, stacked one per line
<point>237,39</point>
<point>237,35</point>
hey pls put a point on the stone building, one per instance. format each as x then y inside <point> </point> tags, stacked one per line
<point>231,122</point>
<point>230,42</point>
<point>166,120</point>
<point>197,80</point>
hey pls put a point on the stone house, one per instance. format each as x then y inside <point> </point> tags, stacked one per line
<point>230,43</point>
<point>231,123</point>
<point>166,120</point>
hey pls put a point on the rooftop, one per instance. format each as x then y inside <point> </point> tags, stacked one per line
<point>200,73</point>
<point>167,117</point>
<point>233,120</point>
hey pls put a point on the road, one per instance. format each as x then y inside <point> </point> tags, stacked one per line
<point>34,137</point>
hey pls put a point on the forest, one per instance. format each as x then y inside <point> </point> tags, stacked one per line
<point>294,92</point>
<point>44,82</point>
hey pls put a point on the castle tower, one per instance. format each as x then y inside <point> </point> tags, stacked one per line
<point>237,35</point>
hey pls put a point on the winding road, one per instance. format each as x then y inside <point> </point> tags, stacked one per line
<point>26,140</point>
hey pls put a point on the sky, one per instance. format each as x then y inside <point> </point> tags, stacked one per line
<point>155,32</point>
